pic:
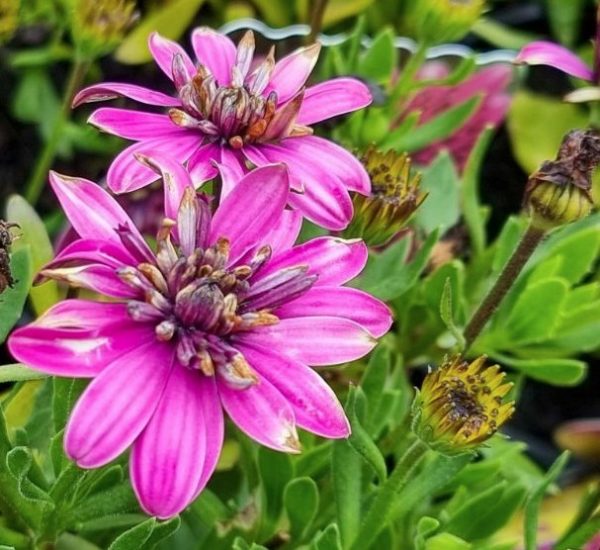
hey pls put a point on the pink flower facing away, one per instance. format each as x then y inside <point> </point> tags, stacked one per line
<point>226,314</point>
<point>230,110</point>
<point>490,83</point>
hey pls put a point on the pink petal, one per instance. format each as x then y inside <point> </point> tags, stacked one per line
<point>78,338</point>
<point>334,260</point>
<point>126,173</point>
<point>349,303</point>
<point>201,164</point>
<point>164,50</point>
<point>118,404</point>
<point>251,209</point>
<point>112,90</point>
<point>84,251</point>
<point>93,213</point>
<point>168,458</point>
<point>215,51</point>
<point>337,161</point>
<point>323,199</point>
<point>291,72</point>
<point>263,414</point>
<point>135,125</point>
<point>547,53</point>
<point>315,341</point>
<point>285,233</point>
<point>333,98</point>
<point>231,171</point>
<point>315,405</point>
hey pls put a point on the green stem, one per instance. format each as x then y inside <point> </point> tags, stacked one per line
<point>529,242</point>
<point>35,185</point>
<point>378,513</point>
<point>316,19</point>
<point>407,76</point>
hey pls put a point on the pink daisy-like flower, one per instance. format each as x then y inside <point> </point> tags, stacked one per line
<point>231,110</point>
<point>226,314</point>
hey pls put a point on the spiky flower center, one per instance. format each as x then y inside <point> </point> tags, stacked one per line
<point>239,112</point>
<point>197,300</point>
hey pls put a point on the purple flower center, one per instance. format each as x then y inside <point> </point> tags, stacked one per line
<point>198,300</point>
<point>240,112</point>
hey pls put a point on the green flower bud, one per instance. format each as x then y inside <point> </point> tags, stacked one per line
<point>395,195</point>
<point>461,405</point>
<point>560,191</point>
<point>9,19</point>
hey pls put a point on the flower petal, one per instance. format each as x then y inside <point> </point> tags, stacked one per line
<point>231,171</point>
<point>164,50</point>
<point>315,341</point>
<point>285,233</point>
<point>126,173</point>
<point>84,251</point>
<point>112,90</point>
<point>332,98</point>
<point>315,405</point>
<point>93,213</point>
<point>334,260</point>
<point>118,404</point>
<point>135,125</point>
<point>201,164</point>
<point>548,53</point>
<point>251,209</point>
<point>215,51</point>
<point>78,338</point>
<point>263,414</point>
<point>349,303</point>
<point>167,460</point>
<point>292,71</point>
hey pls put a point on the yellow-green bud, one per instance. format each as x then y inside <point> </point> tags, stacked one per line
<point>560,191</point>
<point>461,405</point>
<point>9,19</point>
<point>437,21</point>
<point>395,195</point>
<point>98,27</point>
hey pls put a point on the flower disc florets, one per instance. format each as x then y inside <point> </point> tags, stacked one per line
<point>460,405</point>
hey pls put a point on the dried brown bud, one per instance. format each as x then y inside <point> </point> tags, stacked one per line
<point>560,191</point>
<point>6,239</point>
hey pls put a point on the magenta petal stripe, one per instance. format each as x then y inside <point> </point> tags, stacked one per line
<point>134,125</point>
<point>215,51</point>
<point>164,50</point>
<point>316,407</point>
<point>112,90</point>
<point>168,457</point>
<point>105,422</point>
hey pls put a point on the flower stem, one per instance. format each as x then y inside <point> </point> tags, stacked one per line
<point>378,513</point>
<point>36,182</point>
<point>529,242</point>
<point>316,19</point>
<point>407,76</point>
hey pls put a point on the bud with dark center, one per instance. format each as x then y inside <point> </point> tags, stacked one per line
<point>395,195</point>
<point>460,405</point>
<point>560,191</point>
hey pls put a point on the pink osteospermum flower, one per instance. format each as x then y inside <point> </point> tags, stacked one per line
<point>226,314</point>
<point>229,110</point>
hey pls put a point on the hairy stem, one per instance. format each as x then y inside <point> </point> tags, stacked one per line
<point>35,185</point>
<point>529,242</point>
<point>378,513</point>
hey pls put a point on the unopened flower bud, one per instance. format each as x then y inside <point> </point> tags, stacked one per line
<point>461,405</point>
<point>560,191</point>
<point>98,27</point>
<point>9,19</point>
<point>437,21</point>
<point>395,195</point>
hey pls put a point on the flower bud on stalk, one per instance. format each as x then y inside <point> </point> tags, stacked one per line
<point>98,27</point>
<point>460,405</point>
<point>6,239</point>
<point>560,191</point>
<point>9,19</point>
<point>395,195</point>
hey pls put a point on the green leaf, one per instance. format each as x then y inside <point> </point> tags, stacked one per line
<point>373,383</point>
<point>301,501</point>
<point>446,541</point>
<point>565,19</point>
<point>170,21</point>
<point>12,300</point>
<point>447,315</point>
<point>34,234</point>
<point>380,60</point>
<point>581,535</point>
<point>337,10</point>
<point>533,139</point>
<point>558,372</point>
<point>587,506</point>
<point>534,501</point>
<point>134,538</point>
<point>442,206</point>
<point>435,129</point>
<point>35,99</point>
<point>346,471</point>
<point>329,539</point>
<point>275,473</point>
<point>118,499</point>
<point>425,527</point>
<point>387,276</point>
<point>17,372</point>
<point>66,393</point>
